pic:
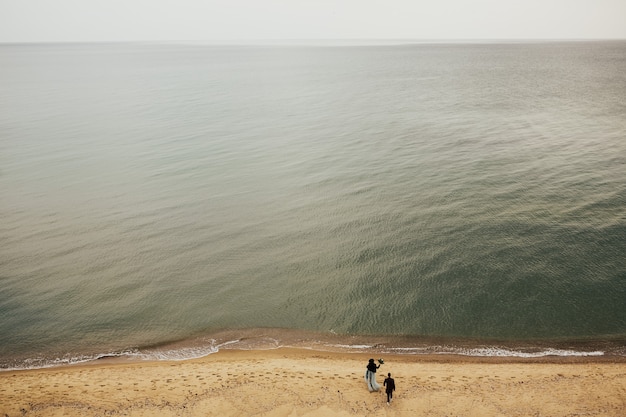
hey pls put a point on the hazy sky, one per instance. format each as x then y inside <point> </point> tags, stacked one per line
<point>145,20</point>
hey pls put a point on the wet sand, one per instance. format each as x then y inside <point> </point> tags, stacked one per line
<point>290,382</point>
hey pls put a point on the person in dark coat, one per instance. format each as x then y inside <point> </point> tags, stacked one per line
<point>390,387</point>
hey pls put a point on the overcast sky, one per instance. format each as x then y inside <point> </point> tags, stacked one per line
<point>215,20</point>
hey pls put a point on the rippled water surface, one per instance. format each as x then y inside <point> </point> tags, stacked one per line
<point>153,193</point>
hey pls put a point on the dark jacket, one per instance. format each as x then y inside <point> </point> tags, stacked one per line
<point>390,384</point>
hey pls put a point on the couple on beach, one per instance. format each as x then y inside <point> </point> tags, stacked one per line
<point>372,385</point>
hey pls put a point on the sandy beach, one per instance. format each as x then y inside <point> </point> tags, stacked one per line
<point>296,383</point>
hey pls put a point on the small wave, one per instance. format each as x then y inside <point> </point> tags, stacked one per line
<point>495,352</point>
<point>179,354</point>
<point>498,352</point>
<point>40,362</point>
<point>474,352</point>
<point>163,353</point>
<point>353,346</point>
<point>153,354</point>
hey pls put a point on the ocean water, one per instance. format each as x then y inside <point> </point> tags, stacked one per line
<point>168,200</point>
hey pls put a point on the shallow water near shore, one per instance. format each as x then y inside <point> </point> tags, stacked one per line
<point>379,346</point>
<point>439,192</point>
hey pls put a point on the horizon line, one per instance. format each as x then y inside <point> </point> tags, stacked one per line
<point>313,41</point>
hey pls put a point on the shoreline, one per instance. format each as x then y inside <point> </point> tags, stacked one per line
<point>199,346</point>
<point>306,382</point>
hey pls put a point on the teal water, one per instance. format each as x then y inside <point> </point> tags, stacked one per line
<point>159,193</point>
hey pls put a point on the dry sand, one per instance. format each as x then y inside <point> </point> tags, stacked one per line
<point>298,383</point>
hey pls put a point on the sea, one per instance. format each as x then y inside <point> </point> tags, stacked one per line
<point>168,200</point>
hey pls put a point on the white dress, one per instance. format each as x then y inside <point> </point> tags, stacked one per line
<point>370,380</point>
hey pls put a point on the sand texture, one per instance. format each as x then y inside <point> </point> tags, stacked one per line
<point>298,383</point>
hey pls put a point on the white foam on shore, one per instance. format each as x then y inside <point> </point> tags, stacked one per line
<point>496,352</point>
<point>207,346</point>
<point>353,346</point>
<point>42,363</point>
<point>179,354</point>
